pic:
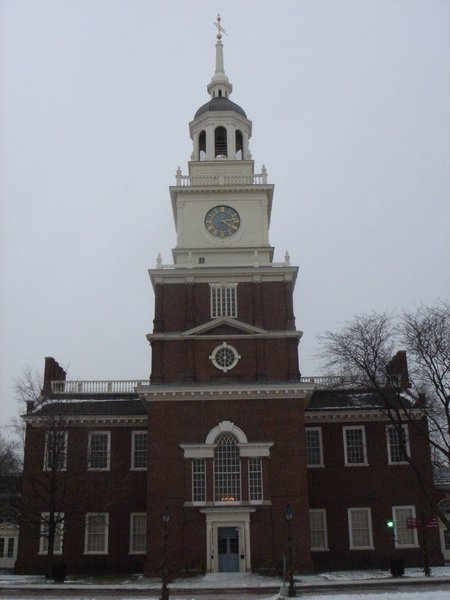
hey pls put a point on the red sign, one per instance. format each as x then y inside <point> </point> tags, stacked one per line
<point>412,523</point>
<point>431,522</point>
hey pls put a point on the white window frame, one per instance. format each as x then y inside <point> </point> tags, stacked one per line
<point>390,428</point>
<point>258,480</point>
<point>412,508</point>
<point>59,533</point>
<point>86,533</point>
<point>199,476</point>
<point>133,533</point>
<point>223,300</point>
<point>48,434</point>
<point>323,513</point>
<point>134,434</point>
<point>364,442</point>
<point>321,463</point>
<point>108,450</point>
<point>368,511</point>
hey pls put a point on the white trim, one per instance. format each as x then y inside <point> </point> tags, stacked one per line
<point>362,428</point>
<point>236,516</point>
<point>321,462</point>
<point>108,450</point>
<point>106,534</point>
<point>232,349</point>
<point>255,449</point>
<point>260,472</point>
<point>323,512</point>
<point>133,443</point>
<point>198,450</point>
<point>412,508</point>
<point>245,328</point>
<point>388,443</point>
<point>226,427</point>
<point>132,516</point>
<point>216,303</point>
<point>368,511</point>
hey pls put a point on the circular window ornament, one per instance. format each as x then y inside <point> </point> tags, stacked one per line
<point>224,357</point>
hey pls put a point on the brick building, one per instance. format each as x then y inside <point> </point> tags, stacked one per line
<point>226,433</point>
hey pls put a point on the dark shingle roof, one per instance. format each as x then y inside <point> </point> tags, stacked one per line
<point>350,399</point>
<point>218,104</point>
<point>92,406</point>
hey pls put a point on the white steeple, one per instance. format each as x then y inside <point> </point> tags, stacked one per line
<point>219,86</point>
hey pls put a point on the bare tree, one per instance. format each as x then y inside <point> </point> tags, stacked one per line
<point>361,353</point>
<point>10,463</point>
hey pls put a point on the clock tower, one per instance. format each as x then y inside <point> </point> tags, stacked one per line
<point>225,401</point>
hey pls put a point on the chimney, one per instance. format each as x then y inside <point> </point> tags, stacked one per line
<point>398,367</point>
<point>52,372</point>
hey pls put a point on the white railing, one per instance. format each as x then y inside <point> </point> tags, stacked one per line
<point>127,386</point>
<point>206,180</point>
<point>123,386</point>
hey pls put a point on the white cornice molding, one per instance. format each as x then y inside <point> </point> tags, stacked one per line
<point>348,414</point>
<point>87,420</point>
<point>220,336</point>
<point>224,273</point>
<point>190,392</point>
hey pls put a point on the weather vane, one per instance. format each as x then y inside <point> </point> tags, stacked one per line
<point>220,29</point>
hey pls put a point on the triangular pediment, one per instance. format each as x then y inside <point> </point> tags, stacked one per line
<point>225,326</point>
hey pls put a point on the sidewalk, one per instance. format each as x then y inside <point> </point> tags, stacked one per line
<point>223,583</point>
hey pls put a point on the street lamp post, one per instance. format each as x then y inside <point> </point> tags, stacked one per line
<point>288,514</point>
<point>164,588</point>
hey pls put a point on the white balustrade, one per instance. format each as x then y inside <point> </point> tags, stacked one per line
<point>204,180</point>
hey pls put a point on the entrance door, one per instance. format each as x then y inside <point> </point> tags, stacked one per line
<point>228,545</point>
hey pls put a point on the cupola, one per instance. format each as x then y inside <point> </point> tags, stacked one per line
<point>220,129</point>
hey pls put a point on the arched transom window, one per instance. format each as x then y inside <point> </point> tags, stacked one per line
<point>227,469</point>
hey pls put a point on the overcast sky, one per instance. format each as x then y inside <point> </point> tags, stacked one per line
<point>350,104</point>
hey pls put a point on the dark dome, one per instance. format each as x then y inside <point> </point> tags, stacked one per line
<point>219,103</point>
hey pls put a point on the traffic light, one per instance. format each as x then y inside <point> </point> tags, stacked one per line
<point>390,524</point>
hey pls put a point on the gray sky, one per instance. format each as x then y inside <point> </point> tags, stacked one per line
<point>350,107</point>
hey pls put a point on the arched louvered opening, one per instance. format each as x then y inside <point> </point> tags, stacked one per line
<point>227,469</point>
<point>220,93</point>
<point>220,143</point>
<point>202,145</point>
<point>239,145</point>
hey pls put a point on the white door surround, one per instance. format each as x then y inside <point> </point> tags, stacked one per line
<point>227,516</point>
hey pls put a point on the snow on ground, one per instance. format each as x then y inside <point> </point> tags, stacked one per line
<point>148,589</point>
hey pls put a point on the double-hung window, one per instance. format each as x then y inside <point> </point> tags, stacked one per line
<point>318,529</point>
<point>138,533</point>
<point>139,451</point>
<point>99,450</point>
<point>55,457</point>
<point>360,528</point>
<point>223,300</point>
<point>255,484</point>
<point>198,480</point>
<point>355,450</point>
<point>44,533</point>
<point>96,533</point>
<point>405,537</point>
<point>314,451</point>
<point>397,444</point>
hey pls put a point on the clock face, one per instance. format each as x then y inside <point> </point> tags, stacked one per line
<point>222,221</point>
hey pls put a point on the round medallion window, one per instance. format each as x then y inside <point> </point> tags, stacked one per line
<point>224,357</point>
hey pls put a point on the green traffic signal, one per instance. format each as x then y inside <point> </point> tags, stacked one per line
<point>390,524</point>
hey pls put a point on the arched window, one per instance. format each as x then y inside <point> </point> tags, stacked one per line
<point>220,142</point>
<point>239,145</point>
<point>202,145</point>
<point>227,469</point>
<point>220,93</point>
